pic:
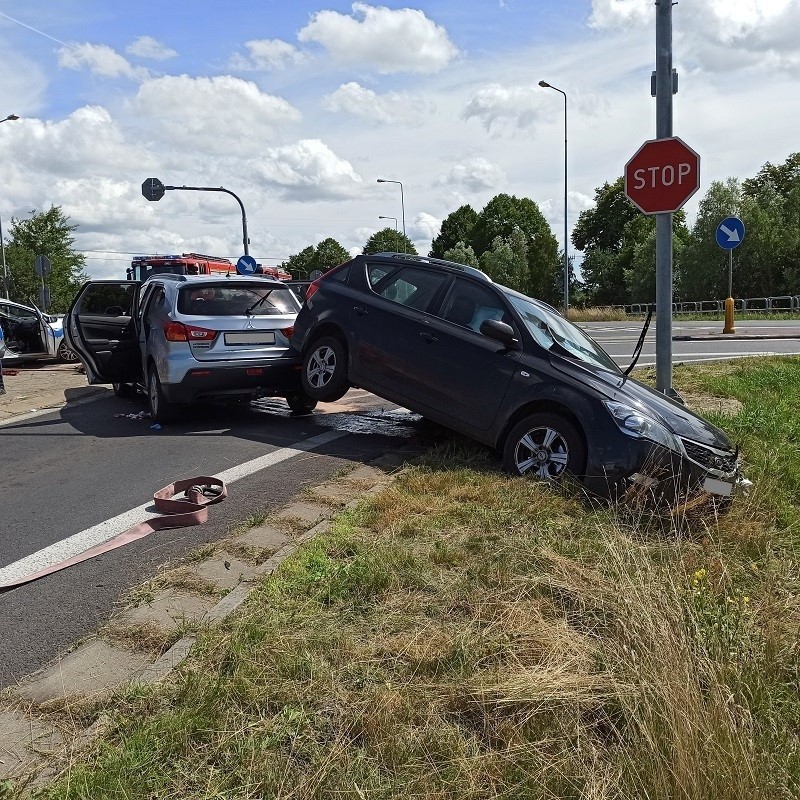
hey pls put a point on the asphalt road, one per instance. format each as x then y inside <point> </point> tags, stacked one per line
<point>70,470</point>
<point>697,341</point>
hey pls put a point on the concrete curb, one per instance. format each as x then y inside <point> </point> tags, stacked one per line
<point>36,741</point>
<point>728,337</point>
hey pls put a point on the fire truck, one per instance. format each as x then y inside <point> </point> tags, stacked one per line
<point>142,267</point>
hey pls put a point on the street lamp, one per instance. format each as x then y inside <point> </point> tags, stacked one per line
<point>395,228</point>
<point>402,207</point>
<point>546,85</point>
<point>9,118</point>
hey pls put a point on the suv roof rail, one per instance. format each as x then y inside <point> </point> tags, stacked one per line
<point>439,261</point>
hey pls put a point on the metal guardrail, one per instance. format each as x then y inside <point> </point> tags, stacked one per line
<point>776,305</point>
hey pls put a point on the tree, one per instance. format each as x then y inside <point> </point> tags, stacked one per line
<point>599,233</point>
<point>328,253</point>
<point>456,229</point>
<point>46,233</point>
<point>389,240</point>
<point>784,177</point>
<point>499,218</point>
<point>507,261</point>
<point>702,273</point>
<point>461,254</point>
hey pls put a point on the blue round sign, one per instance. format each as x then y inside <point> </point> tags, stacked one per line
<point>730,233</point>
<point>246,265</point>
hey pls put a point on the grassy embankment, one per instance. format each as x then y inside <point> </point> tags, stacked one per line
<point>466,635</point>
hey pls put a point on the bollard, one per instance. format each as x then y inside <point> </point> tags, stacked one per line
<point>729,327</point>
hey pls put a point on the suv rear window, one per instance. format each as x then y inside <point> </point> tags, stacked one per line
<point>226,300</point>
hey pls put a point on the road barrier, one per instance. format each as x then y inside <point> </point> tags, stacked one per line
<point>784,304</point>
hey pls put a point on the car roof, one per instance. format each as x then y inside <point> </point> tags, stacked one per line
<point>428,261</point>
<point>195,279</point>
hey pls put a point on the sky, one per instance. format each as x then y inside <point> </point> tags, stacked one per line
<point>298,107</point>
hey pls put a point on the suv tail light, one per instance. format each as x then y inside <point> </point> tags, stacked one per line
<point>288,332</point>
<point>178,332</point>
<point>312,289</point>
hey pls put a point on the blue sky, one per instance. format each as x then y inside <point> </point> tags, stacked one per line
<point>299,108</point>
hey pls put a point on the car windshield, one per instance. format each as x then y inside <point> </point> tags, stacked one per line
<point>552,331</point>
<point>235,300</point>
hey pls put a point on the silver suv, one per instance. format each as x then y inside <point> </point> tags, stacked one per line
<point>184,338</point>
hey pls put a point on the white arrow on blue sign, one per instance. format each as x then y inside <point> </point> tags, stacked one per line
<point>246,265</point>
<point>730,233</point>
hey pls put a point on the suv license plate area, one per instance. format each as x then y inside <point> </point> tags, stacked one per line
<point>714,486</point>
<point>250,337</point>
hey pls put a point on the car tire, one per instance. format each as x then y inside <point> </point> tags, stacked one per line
<point>66,355</point>
<point>161,410</point>
<point>546,446</point>
<point>123,389</point>
<point>325,370</point>
<point>300,403</point>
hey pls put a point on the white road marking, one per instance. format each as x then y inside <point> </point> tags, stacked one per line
<point>102,532</point>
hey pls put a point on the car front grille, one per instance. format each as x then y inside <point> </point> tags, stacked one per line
<point>710,458</point>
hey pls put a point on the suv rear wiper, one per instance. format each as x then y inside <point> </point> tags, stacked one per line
<point>257,303</point>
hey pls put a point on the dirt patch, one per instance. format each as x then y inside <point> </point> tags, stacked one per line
<point>705,403</point>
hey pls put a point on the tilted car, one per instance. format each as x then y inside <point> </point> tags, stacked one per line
<point>185,338</point>
<point>32,335</point>
<point>445,341</point>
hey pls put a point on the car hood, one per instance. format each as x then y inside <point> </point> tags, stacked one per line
<point>624,389</point>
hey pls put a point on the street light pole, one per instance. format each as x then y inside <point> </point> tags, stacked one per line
<point>546,85</point>
<point>402,207</point>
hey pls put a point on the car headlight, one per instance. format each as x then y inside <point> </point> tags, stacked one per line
<point>633,423</point>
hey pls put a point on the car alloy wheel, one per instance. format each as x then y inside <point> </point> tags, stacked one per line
<point>160,409</point>
<point>544,446</point>
<point>300,403</point>
<point>65,354</point>
<point>325,370</point>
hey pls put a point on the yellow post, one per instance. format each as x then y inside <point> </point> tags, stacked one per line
<point>729,328</point>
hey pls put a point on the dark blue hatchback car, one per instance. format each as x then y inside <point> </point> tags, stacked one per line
<point>445,341</point>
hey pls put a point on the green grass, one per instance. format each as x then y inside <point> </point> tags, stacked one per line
<point>463,634</point>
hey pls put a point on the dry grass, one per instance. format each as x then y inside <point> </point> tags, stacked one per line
<point>599,314</point>
<point>466,635</point>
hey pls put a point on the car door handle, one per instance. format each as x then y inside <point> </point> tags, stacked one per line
<point>361,311</point>
<point>429,337</point>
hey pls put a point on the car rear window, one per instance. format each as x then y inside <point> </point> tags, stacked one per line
<point>226,300</point>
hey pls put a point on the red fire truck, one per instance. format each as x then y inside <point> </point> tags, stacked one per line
<point>142,267</point>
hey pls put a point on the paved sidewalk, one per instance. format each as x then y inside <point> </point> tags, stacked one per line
<point>748,331</point>
<point>46,385</point>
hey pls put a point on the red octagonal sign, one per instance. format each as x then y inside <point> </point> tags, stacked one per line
<point>662,175</point>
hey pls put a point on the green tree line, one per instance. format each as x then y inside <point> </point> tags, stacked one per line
<point>618,242</point>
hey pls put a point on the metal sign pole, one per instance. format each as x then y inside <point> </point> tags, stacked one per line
<point>664,87</point>
<point>3,252</point>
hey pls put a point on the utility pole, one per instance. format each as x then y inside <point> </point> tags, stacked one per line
<point>664,91</point>
<point>3,254</point>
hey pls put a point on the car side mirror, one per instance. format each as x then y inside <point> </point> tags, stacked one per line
<point>500,332</point>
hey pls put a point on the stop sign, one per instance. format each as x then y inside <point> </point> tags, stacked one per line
<point>662,175</point>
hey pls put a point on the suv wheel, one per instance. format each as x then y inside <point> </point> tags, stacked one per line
<point>123,389</point>
<point>544,446</point>
<point>160,409</point>
<point>300,403</point>
<point>325,370</point>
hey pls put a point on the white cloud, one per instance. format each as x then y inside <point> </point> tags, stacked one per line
<point>387,109</point>
<point>424,227</point>
<point>496,105</point>
<point>223,114</point>
<point>474,175</point>
<point>101,60</point>
<point>148,47</point>
<point>267,54</point>
<point>718,35</point>
<point>387,40</point>
<point>306,171</point>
